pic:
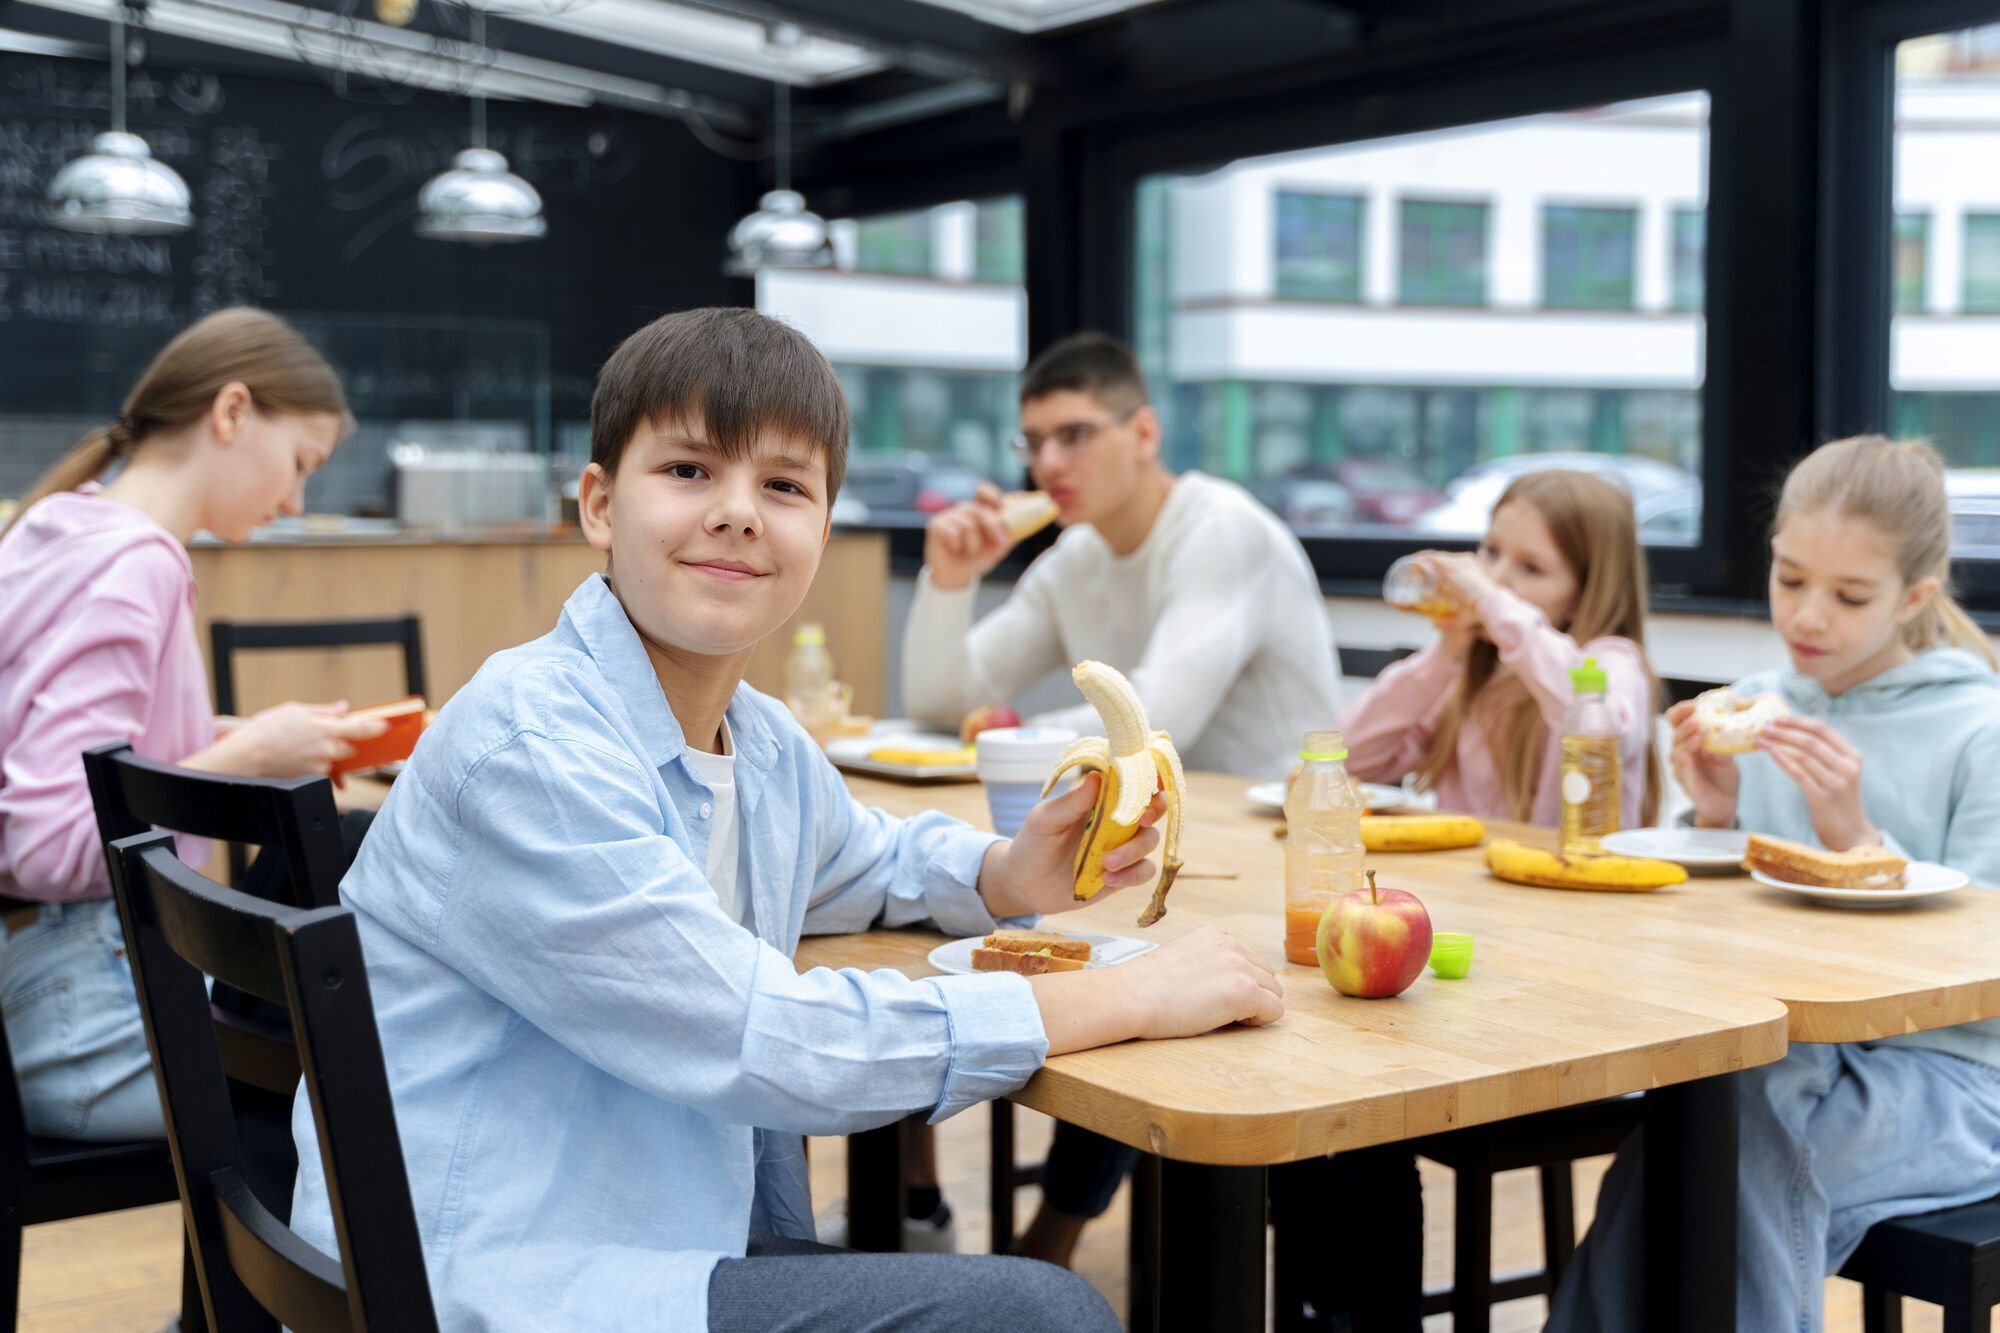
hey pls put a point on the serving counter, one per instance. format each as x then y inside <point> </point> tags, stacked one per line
<point>477,594</point>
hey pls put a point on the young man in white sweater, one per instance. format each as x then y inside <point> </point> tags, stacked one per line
<point>1186,584</point>
<point>1189,586</point>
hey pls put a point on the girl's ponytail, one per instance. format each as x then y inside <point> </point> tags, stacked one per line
<point>87,460</point>
<point>1946,624</point>
<point>236,346</point>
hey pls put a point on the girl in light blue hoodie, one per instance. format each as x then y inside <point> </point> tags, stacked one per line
<point>1894,739</point>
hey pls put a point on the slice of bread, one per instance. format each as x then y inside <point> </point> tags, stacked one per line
<point>1058,944</point>
<point>1869,867</point>
<point>1026,513</point>
<point>1027,964</point>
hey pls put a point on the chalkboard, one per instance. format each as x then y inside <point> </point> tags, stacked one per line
<point>305,204</point>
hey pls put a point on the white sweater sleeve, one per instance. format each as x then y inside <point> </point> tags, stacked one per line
<point>1207,631</point>
<point>951,666</point>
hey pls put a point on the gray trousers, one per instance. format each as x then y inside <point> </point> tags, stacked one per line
<point>784,1285</point>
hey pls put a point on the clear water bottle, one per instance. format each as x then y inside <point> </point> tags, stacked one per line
<point>1323,851</point>
<point>809,679</point>
<point>1591,805</point>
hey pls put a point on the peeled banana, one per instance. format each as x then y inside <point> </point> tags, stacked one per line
<point>1519,863</point>
<point>1420,833</point>
<point>1135,762</point>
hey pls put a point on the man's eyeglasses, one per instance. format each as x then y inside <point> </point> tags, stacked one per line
<point>1070,439</point>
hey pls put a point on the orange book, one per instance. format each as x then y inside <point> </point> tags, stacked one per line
<point>407,719</point>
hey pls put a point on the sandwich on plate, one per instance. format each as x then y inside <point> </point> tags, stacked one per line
<point>1030,952</point>
<point>1869,867</point>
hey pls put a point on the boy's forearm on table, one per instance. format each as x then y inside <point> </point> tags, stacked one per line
<point>1081,1010</point>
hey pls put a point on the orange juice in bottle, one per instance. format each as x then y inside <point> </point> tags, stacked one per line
<point>1323,851</point>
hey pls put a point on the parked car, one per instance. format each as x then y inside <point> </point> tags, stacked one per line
<point>905,489</point>
<point>1477,489</point>
<point>1974,495</point>
<point>1387,491</point>
<point>1307,502</point>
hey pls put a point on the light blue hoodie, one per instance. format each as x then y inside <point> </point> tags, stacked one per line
<point>1929,736</point>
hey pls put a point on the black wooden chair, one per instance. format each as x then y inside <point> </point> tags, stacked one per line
<point>1949,1258</point>
<point>51,1180</point>
<point>296,819</point>
<point>255,1271</point>
<point>1550,1142</point>
<point>226,638</point>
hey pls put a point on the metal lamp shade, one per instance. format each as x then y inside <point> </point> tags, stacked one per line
<point>120,188</point>
<point>480,201</point>
<point>782,233</point>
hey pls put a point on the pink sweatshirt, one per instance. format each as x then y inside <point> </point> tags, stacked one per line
<point>97,644</point>
<point>1389,729</point>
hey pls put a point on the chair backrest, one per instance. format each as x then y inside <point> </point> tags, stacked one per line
<point>294,816</point>
<point>228,637</point>
<point>255,1271</point>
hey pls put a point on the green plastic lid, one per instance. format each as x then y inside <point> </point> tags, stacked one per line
<point>809,634</point>
<point>1310,756</point>
<point>1588,678</point>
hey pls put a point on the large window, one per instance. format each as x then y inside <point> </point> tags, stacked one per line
<point>1944,371</point>
<point>1404,408</point>
<point>1587,257</point>
<point>1442,249</point>
<point>1319,246</point>
<point>930,354</point>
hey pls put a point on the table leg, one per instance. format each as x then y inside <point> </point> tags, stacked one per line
<point>1211,1248</point>
<point>1690,1166</point>
<point>1142,1286</point>
<point>877,1190</point>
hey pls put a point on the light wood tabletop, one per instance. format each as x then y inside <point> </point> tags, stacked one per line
<point>1566,1003</point>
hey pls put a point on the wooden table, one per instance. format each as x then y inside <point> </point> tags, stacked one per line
<point>1572,997</point>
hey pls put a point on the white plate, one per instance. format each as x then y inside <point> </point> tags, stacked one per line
<point>1105,951</point>
<point>1694,848</point>
<point>1923,879</point>
<point>1377,796</point>
<point>851,753</point>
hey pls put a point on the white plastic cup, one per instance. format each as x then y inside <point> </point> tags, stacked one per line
<point>1014,763</point>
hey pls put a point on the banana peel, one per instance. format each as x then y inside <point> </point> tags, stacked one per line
<point>1134,762</point>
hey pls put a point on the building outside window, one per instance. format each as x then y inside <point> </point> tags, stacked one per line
<point>1912,260</point>
<point>898,243</point>
<point>999,253</point>
<point>1319,246</point>
<point>1587,260</point>
<point>1690,257</point>
<point>1443,250</point>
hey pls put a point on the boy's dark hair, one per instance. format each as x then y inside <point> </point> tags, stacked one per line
<point>735,372</point>
<point>1093,363</point>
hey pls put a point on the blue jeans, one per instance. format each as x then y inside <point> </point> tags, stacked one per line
<point>73,1022</point>
<point>1833,1140</point>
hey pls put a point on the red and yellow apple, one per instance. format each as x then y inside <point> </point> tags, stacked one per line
<point>1374,942</point>
<point>985,719</point>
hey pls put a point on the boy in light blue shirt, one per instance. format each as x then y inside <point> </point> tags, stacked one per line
<point>601,1053</point>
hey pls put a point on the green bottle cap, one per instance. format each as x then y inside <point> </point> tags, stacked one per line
<point>809,634</point>
<point>1588,678</point>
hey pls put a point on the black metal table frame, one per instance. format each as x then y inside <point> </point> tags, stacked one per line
<point>1197,1235</point>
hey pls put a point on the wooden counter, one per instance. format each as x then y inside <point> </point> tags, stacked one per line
<point>478,597</point>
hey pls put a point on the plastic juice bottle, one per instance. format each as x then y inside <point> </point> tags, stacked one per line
<point>1323,851</point>
<point>1591,804</point>
<point>808,676</point>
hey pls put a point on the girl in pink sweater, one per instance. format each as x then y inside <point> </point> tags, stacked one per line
<point>1560,576</point>
<point>97,644</point>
